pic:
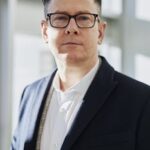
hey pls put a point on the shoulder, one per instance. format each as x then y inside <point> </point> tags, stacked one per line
<point>34,92</point>
<point>34,87</point>
<point>128,83</point>
<point>127,89</point>
<point>39,84</point>
<point>131,92</point>
<point>125,84</point>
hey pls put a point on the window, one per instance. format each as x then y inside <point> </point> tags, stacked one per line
<point>142,68</point>
<point>111,8</point>
<point>112,54</point>
<point>142,9</point>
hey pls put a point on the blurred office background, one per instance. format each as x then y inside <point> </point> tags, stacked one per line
<point>24,57</point>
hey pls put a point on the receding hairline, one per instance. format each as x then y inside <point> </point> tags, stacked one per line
<point>46,3</point>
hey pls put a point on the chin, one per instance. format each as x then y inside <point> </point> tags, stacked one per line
<point>75,58</point>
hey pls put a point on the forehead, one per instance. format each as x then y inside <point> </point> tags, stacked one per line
<point>73,6</point>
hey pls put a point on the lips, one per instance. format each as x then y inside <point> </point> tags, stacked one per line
<point>72,43</point>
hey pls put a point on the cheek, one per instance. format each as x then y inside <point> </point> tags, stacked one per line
<point>94,33</point>
<point>92,39</point>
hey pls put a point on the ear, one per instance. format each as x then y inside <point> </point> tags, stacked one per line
<point>101,28</point>
<point>44,28</point>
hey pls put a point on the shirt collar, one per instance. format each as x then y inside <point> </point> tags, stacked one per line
<point>82,85</point>
<point>85,82</point>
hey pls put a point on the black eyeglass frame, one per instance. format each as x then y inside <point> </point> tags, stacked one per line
<point>74,17</point>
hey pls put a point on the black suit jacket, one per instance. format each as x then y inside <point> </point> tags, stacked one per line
<point>115,114</point>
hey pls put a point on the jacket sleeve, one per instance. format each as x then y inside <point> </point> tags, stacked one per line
<point>14,141</point>
<point>16,135</point>
<point>143,131</point>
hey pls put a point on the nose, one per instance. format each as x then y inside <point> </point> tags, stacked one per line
<point>72,27</point>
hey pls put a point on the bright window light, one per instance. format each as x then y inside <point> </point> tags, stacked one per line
<point>143,9</point>
<point>111,8</point>
<point>112,54</point>
<point>142,68</point>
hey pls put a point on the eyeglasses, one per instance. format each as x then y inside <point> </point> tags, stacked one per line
<point>60,20</point>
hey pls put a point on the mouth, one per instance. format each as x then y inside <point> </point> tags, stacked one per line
<point>72,43</point>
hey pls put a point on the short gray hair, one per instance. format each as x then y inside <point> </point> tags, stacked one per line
<point>46,2</point>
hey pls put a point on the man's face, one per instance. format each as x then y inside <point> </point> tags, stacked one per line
<point>73,44</point>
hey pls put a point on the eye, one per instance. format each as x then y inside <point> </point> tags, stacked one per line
<point>60,17</point>
<point>83,17</point>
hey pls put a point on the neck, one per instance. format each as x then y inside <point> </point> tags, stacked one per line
<point>72,74</point>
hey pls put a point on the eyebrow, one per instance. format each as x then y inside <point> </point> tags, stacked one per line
<point>78,12</point>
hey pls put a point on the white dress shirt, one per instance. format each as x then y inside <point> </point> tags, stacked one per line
<point>63,109</point>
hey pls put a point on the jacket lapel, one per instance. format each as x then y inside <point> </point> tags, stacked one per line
<point>40,96</point>
<point>94,99</point>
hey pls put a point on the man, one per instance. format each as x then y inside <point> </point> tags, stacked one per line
<point>85,104</point>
